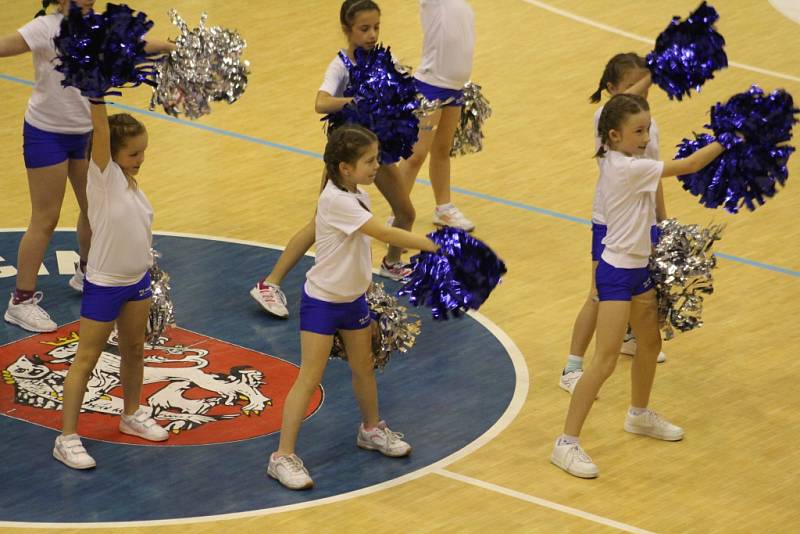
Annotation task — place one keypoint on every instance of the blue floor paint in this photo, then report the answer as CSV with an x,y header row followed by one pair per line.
x,y
450,389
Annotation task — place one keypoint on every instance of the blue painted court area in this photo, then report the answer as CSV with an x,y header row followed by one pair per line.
x,y
450,389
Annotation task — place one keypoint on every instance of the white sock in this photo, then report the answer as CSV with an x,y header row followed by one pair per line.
x,y
636,411
444,207
574,363
564,439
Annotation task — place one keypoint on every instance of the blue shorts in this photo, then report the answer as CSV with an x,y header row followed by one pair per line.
x,y
615,283
326,318
42,149
103,303
431,92
599,232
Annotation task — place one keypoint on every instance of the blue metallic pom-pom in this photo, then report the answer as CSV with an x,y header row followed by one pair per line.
x,y
101,51
754,128
687,53
384,101
459,277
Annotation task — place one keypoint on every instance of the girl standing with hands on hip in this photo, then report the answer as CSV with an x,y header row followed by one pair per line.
x,y
446,66
624,74
360,21
117,283
628,184
56,135
333,300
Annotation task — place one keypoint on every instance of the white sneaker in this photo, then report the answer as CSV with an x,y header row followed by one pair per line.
x,y
629,348
142,425
567,381
69,451
29,315
384,440
271,299
289,471
76,282
395,271
573,459
650,423
452,216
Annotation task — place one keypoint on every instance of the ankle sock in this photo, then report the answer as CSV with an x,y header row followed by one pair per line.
x,y
567,440
574,363
636,411
22,295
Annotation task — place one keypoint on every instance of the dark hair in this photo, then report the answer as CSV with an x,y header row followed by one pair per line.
x,y
122,127
346,144
615,69
45,5
350,8
614,114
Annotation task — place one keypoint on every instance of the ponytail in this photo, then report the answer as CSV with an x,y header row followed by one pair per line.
x,y
615,70
45,5
614,114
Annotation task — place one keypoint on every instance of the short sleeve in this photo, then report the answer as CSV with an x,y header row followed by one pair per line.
x,y
36,34
335,79
644,174
345,213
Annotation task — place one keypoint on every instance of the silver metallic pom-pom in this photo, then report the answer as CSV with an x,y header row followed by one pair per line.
x,y
468,138
206,67
162,313
427,107
681,267
392,328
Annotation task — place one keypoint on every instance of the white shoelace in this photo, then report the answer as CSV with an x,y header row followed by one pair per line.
x,y
580,454
35,309
293,463
272,294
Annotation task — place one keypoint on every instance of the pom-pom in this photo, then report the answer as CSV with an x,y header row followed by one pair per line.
x,y
755,128
206,67
468,138
162,312
459,277
681,267
687,53
99,51
392,328
384,101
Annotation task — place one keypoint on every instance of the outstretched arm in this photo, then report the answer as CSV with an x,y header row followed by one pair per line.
x,y
156,46
693,163
101,136
397,236
326,103
13,45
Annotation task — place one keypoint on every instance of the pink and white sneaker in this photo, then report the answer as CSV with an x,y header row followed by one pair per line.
x,y
271,299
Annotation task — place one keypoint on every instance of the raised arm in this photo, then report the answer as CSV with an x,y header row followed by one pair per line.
x,y
396,236
101,136
641,87
13,45
326,103
693,163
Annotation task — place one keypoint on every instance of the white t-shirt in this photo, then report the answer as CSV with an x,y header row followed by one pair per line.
x,y
52,107
336,77
448,27
342,269
628,187
121,219
651,152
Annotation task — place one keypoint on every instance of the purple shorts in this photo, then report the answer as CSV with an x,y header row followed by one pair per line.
x,y
432,92
103,303
599,232
326,318
615,283
43,149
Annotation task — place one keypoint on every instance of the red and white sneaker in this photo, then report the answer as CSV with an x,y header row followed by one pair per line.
x,y
398,271
382,439
271,299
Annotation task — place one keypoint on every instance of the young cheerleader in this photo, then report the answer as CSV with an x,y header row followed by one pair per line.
x,y
360,20
117,283
624,73
448,43
333,299
56,132
628,185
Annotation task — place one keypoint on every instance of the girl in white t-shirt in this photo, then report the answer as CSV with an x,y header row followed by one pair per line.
x,y
360,20
117,283
56,134
334,300
628,183
624,73
448,28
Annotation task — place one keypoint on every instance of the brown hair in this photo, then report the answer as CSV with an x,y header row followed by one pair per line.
x,y
45,5
615,69
122,127
351,8
346,144
614,114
